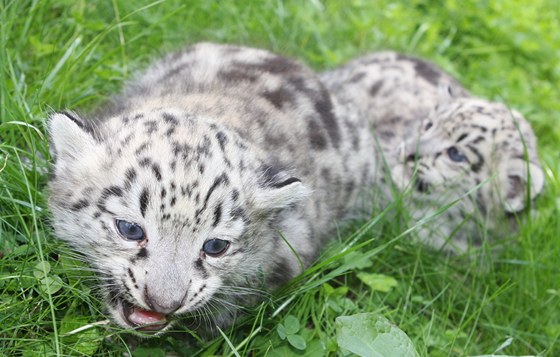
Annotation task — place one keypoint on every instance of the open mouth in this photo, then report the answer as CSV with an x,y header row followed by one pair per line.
x,y
143,320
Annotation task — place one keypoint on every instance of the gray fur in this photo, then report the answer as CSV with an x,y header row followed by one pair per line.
x,y
237,144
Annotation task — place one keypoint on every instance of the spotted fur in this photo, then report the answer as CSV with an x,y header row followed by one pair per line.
x,y
214,141
441,144
234,163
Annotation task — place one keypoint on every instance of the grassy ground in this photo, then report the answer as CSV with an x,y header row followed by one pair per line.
x,y
75,53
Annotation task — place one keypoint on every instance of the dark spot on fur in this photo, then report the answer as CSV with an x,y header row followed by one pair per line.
x,y
144,200
276,65
357,77
217,215
325,109
131,275
237,213
111,191
280,274
237,75
79,205
316,137
235,195
222,139
477,165
462,137
142,253
170,119
157,171
278,97
375,88
130,176
218,181
424,69
199,265
145,162
141,149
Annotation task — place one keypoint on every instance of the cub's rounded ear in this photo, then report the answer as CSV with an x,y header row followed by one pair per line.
x,y
70,136
520,178
277,189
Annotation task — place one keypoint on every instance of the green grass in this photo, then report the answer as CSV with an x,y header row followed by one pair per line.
x,y
75,53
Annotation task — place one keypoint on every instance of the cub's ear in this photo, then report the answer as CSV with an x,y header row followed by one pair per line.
x,y
277,189
70,136
519,176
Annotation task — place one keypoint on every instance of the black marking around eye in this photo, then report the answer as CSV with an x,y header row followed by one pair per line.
x,y
199,265
142,253
462,137
144,200
477,165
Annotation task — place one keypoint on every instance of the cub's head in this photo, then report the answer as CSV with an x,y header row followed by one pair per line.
x,y
172,211
468,143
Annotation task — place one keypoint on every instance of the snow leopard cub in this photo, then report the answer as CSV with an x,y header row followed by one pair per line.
x,y
191,189
440,144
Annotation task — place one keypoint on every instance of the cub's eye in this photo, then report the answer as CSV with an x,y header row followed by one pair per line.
x,y
129,230
455,155
215,247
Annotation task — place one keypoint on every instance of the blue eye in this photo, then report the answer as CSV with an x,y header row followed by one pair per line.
x,y
455,155
130,231
215,247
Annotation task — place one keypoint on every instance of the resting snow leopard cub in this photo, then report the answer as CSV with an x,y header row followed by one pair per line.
x,y
191,190
193,187
439,142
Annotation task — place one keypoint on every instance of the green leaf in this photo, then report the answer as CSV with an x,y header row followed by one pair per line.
x,y
370,334
378,282
297,342
358,261
41,269
291,323
51,284
281,331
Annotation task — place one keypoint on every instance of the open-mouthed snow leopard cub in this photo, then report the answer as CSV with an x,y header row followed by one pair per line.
x,y
195,187
440,143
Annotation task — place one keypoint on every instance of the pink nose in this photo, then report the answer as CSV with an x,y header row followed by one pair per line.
x,y
156,304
